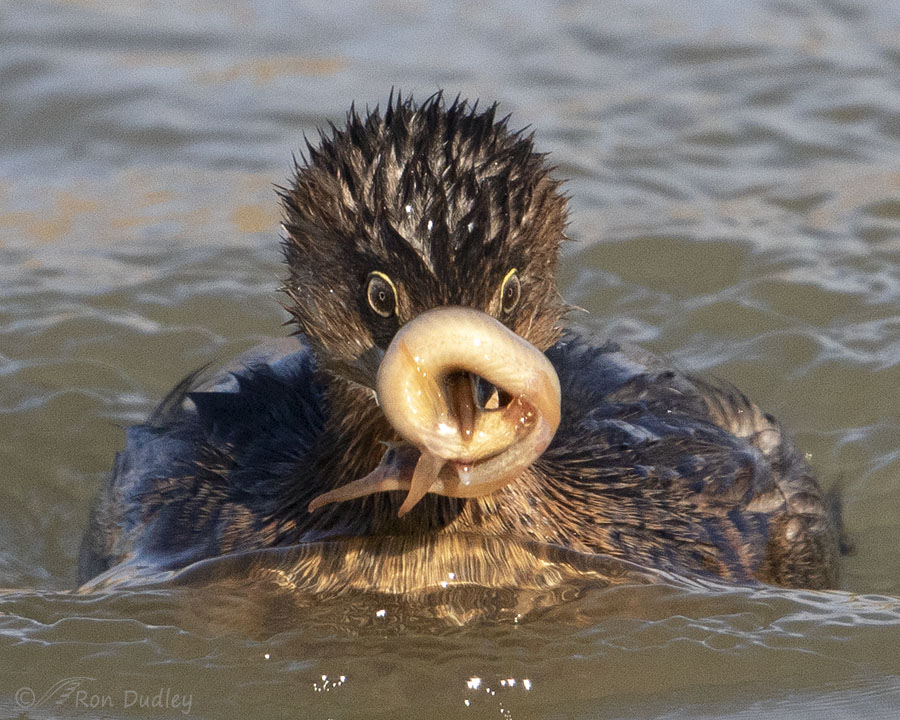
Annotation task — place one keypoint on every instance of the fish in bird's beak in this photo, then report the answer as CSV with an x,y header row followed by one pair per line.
x,y
431,386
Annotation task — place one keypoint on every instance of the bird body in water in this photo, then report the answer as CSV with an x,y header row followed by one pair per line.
x,y
433,388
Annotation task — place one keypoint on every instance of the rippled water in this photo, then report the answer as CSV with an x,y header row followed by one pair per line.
x,y
735,180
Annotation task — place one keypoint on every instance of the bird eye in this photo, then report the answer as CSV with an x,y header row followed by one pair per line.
x,y
510,291
381,294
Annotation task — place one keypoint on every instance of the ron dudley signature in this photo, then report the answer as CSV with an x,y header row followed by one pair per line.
x,y
78,692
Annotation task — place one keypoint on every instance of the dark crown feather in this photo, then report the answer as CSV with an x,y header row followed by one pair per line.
x,y
444,197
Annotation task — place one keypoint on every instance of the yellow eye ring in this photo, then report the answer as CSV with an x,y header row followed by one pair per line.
x,y
381,294
510,291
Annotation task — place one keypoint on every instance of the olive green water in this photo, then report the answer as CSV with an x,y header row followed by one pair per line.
x,y
735,180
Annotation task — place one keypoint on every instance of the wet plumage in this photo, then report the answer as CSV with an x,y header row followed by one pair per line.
x,y
648,464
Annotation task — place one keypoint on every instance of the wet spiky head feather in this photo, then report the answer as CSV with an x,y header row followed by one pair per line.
x,y
444,200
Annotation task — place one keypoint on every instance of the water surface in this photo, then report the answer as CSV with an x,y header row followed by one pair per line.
x,y
734,172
